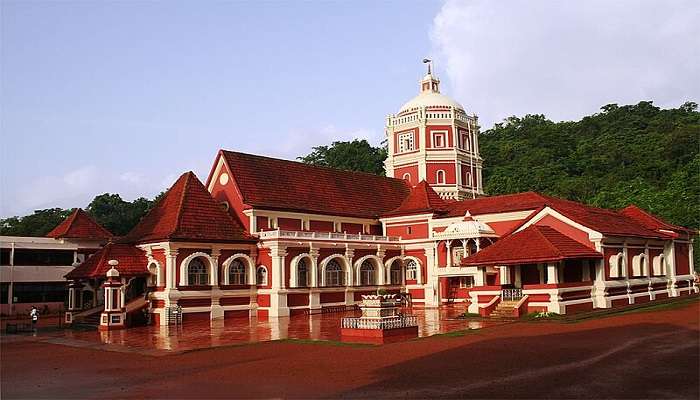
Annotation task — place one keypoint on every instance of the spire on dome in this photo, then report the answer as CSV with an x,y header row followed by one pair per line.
x,y
429,83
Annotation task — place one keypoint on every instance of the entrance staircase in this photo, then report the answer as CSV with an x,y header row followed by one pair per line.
x,y
505,310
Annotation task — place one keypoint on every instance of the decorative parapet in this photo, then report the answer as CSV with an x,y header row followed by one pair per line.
x,y
283,234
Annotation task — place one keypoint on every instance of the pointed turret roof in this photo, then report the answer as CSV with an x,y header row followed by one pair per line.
x,y
80,225
187,212
421,199
132,261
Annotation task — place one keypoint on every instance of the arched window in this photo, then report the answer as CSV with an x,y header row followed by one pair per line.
x,y
468,179
367,273
617,266
411,270
302,273
334,274
659,265
261,276
407,177
197,272
236,273
440,177
395,273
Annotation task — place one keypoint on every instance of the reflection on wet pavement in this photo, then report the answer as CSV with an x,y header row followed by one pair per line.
x,y
223,332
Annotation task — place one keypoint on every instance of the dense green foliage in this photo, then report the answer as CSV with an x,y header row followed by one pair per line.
x,y
357,155
109,210
637,154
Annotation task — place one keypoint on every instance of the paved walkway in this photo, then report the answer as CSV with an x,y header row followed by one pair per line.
x,y
235,331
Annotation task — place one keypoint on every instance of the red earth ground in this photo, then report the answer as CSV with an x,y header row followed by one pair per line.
x,y
652,354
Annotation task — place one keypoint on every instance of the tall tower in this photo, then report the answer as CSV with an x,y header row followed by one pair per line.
x,y
432,138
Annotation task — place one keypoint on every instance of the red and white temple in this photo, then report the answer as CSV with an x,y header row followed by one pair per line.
x,y
268,237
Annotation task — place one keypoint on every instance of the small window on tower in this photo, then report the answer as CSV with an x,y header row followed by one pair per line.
x,y
439,139
406,142
408,230
440,177
465,141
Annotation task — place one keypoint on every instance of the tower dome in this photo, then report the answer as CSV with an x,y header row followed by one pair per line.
x,y
430,95
433,139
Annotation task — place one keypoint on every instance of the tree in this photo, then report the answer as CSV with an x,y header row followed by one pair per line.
x,y
117,215
357,155
38,224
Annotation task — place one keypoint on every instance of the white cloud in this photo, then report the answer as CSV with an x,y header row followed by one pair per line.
x,y
131,177
567,59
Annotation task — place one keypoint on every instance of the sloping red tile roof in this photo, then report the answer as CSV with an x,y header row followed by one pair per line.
x,y
421,199
533,244
651,221
270,183
132,261
608,222
187,212
80,225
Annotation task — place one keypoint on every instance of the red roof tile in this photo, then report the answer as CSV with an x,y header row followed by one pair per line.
x,y
187,212
422,199
533,244
650,221
80,225
270,183
132,261
608,222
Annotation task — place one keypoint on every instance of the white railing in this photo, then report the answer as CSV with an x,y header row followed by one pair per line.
x,y
399,321
511,294
282,234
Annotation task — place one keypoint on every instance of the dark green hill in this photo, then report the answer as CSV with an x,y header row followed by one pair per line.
x,y
637,154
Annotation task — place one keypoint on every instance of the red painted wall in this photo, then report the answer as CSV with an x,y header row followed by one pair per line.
x,y
449,168
417,230
351,228
682,259
290,224
321,226
231,194
410,169
503,227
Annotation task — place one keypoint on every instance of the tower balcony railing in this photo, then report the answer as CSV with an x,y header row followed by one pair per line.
x,y
312,235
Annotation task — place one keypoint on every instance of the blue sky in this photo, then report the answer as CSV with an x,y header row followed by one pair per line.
x,y
125,96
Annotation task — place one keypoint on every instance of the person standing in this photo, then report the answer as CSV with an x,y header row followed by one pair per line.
x,y
34,314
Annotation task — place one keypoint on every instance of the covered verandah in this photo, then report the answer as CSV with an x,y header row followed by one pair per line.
x,y
539,269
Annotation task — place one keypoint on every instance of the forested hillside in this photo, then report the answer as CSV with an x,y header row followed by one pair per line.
x,y
637,154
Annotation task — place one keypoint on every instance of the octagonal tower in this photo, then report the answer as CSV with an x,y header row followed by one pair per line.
x,y
432,138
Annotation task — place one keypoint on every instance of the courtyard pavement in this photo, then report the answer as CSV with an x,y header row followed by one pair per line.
x,y
195,335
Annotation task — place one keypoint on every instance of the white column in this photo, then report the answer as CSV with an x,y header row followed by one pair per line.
x,y
448,245
313,253
170,268
278,298
505,275
478,245
349,254
552,273
214,270
381,272
586,272
540,269
518,276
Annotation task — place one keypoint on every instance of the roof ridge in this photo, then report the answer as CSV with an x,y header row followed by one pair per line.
x,y
313,165
180,211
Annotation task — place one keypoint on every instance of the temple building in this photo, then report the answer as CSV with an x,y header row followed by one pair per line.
x,y
267,237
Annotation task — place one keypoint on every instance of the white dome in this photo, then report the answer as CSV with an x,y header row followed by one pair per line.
x,y
468,228
429,99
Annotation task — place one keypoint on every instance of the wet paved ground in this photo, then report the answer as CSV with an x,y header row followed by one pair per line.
x,y
650,354
207,334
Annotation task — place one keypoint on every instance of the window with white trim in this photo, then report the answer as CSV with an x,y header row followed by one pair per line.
x,y
639,265
406,142
261,276
457,255
440,177
367,273
236,272
465,141
334,273
407,177
302,273
197,272
659,265
439,139
411,270
617,266
395,273
466,282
